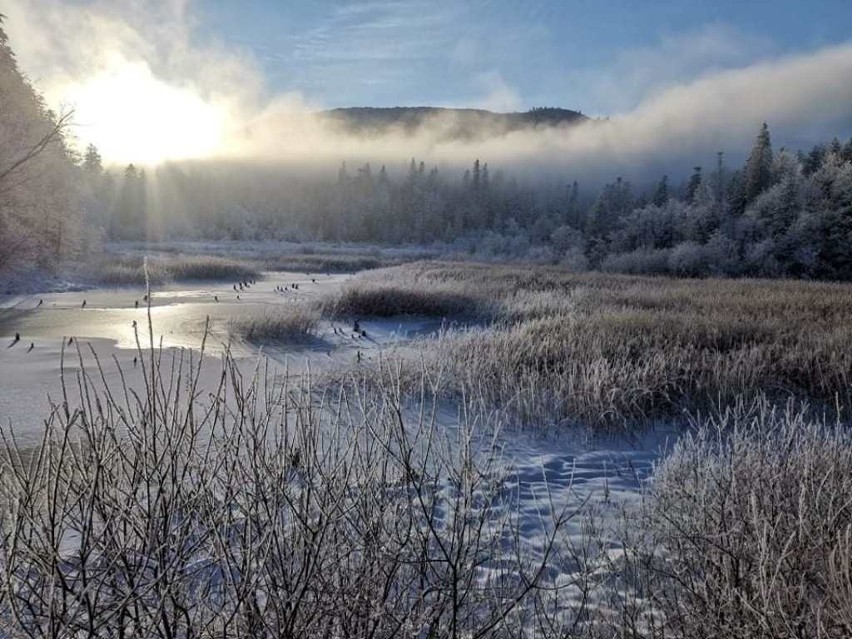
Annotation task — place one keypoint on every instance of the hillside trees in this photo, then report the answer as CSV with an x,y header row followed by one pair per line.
x,y
39,209
778,214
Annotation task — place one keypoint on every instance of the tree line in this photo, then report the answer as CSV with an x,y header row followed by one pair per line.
x,y
780,214
40,213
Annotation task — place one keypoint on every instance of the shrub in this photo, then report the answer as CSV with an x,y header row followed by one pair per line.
x,y
264,508
748,529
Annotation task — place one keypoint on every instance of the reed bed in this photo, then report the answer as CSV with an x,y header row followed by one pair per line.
x,y
129,271
328,262
382,300
281,323
616,350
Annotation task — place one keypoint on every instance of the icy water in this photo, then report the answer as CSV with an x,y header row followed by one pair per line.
x,y
109,321
546,472
101,321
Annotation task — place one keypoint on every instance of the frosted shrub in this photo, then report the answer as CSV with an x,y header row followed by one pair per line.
x,y
748,530
262,507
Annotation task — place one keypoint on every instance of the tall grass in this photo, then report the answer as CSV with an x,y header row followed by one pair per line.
x,y
292,322
607,350
328,262
128,270
381,300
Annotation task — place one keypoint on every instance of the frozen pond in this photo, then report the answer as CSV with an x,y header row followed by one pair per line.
x,y
103,320
563,463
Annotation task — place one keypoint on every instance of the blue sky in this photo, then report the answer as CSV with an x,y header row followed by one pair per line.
x,y
599,56
679,79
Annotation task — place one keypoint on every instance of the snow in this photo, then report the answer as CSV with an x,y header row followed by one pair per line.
x,y
544,470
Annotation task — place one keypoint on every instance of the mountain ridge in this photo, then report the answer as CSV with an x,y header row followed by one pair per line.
x,y
449,122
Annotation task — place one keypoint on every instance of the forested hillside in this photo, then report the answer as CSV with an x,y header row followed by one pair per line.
x,y
465,124
40,214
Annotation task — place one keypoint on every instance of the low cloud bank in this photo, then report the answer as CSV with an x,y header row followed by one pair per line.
x,y
220,106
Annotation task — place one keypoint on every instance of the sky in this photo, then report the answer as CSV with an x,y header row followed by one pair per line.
x,y
156,80
601,57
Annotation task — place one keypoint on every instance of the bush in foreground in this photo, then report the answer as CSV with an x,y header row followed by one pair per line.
x,y
259,509
748,531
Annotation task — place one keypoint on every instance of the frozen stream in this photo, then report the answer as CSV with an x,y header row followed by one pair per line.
x,y
29,368
572,467
557,469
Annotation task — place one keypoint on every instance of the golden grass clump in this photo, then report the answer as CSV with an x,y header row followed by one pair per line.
x,y
128,270
297,322
604,349
380,300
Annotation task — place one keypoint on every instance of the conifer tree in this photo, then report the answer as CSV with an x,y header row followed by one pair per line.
x,y
693,184
758,170
92,160
661,195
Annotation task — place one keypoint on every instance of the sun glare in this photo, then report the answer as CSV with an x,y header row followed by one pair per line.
x,y
131,116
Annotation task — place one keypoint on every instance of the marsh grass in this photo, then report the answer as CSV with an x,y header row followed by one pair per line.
x,y
306,257
381,300
328,262
616,350
128,270
292,322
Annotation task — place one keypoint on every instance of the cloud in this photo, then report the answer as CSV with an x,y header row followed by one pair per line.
x,y
687,113
637,73
498,95
718,111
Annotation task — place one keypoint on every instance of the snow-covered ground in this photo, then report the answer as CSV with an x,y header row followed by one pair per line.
x,y
103,320
545,469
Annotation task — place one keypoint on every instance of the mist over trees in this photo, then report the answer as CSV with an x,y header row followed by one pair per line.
x,y
780,214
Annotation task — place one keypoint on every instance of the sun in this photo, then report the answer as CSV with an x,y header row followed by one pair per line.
x,y
134,117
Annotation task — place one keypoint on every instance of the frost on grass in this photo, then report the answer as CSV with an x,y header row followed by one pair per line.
x,y
563,348
267,506
260,509
278,323
746,531
128,270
